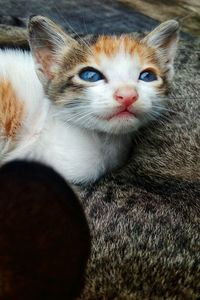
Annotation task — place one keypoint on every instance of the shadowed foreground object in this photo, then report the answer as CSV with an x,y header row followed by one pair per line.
x,y
44,236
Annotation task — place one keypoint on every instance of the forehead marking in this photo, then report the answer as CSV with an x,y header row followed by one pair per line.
x,y
110,46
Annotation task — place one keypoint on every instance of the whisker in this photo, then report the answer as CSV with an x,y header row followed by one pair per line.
x,y
165,109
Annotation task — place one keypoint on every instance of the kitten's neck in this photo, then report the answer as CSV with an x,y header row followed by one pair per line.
x,y
81,155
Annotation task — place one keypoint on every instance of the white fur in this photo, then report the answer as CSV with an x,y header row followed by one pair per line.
x,y
80,155
98,103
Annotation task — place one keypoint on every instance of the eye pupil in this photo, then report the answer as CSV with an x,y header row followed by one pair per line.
x,y
147,76
91,75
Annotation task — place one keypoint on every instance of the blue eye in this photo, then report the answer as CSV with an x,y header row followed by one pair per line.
x,y
147,76
91,75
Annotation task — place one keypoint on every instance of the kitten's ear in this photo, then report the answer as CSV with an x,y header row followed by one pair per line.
x,y
164,38
47,41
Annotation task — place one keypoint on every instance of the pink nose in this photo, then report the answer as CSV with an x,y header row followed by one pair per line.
x,y
126,95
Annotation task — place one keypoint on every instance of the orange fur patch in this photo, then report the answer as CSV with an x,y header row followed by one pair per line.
x,y
11,109
110,46
106,45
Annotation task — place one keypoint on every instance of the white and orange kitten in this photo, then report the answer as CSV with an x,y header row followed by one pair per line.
x,y
74,104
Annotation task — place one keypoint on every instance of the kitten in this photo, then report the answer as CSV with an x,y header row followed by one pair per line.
x,y
91,95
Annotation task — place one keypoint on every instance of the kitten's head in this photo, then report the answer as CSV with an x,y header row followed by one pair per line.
x,y
111,84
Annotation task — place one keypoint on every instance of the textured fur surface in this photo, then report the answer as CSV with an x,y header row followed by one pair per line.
x,y
145,219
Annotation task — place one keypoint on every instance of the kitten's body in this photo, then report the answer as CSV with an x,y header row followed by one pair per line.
x,y
53,127
78,154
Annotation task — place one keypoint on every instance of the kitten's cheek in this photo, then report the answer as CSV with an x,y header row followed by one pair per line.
x,y
142,106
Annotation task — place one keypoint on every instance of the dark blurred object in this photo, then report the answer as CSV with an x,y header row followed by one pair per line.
x,y
13,32
13,37
82,16
13,21
187,12
44,236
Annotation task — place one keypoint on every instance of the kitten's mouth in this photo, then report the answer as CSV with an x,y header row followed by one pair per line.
x,y
123,114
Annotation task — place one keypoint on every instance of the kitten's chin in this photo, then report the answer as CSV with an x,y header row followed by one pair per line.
x,y
122,124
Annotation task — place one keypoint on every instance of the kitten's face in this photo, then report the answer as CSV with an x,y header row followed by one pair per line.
x,y
114,86
110,84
